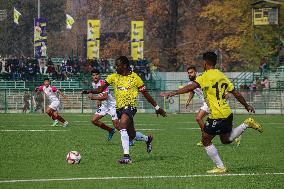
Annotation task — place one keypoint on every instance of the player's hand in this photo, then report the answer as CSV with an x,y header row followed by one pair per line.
x,y
99,103
250,109
84,92
161,112
90,96
186,105
168,94
67,99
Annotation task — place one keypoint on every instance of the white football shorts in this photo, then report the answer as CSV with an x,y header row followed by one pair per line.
x,y
104,110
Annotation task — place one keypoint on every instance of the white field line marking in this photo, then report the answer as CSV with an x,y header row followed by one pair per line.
x,y
167,129
141,177
29,126
268,123
22,130
111,122
139,129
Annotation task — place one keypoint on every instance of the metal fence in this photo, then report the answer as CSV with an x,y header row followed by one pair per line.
x,y
12,101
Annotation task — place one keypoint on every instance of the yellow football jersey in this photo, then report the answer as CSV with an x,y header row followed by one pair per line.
x,y
215,85
126,88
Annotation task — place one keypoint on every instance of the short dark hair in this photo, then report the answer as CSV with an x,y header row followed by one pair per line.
x,y
96,71
124,60
210,57
191,68
46,79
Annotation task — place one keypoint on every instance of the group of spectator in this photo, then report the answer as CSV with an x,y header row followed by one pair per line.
x,y
29,69
257,84
142,68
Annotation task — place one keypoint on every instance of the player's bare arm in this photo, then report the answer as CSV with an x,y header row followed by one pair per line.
x,y
190,96
98,90
186,89
63,95
99,98
150,99
242,100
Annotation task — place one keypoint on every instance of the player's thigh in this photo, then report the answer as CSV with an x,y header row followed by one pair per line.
x,y
48,110
126,116
96,117
201,114
55,113
131,129
115,123
124,121
224,137
226,129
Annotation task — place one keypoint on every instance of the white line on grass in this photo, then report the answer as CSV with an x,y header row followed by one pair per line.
x,y
28,126
268,123
168,129
141,177
23,130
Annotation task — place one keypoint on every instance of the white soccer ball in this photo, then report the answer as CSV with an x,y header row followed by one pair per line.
x,y
73,157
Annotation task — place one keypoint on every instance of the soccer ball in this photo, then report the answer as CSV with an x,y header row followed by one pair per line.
x,y
73,157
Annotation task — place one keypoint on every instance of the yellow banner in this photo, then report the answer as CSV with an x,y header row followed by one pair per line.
x,y
94,29
137,39
69,21
93,39
17,15
137,50
137,30
93,49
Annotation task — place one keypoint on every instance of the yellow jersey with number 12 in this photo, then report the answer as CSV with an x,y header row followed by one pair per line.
x,y
126,88
215,85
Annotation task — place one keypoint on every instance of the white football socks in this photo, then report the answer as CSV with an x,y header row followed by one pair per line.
x,y
124,141
213,154
140,137
236,132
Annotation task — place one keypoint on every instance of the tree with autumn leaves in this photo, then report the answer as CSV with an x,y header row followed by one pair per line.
x,y
232,32
176,31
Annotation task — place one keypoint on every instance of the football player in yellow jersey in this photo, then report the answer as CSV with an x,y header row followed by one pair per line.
x,y
220,121
127,85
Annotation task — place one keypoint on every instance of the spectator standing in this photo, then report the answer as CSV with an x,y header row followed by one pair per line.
x,y
38,99
42,66
30,71
27,101
265,83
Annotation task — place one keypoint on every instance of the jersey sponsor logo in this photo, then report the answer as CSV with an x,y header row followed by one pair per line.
x,y
214,123
123,88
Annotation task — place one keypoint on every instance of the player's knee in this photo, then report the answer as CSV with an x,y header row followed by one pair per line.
x,y
225,141
198,119
122,125
95,122
206,141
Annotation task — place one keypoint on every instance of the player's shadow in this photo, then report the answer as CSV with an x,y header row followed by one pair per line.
x,y
158,158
